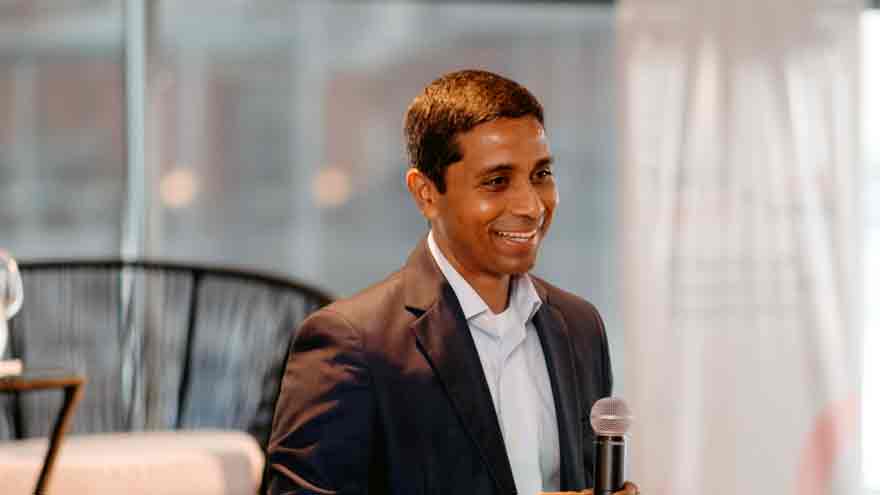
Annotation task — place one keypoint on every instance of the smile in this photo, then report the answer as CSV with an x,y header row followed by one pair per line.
x,y
522,237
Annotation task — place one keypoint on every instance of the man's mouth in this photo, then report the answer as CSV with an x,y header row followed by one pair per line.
x,y
516,236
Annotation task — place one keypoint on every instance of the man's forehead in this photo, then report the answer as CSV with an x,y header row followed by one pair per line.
x,y
506,132
493,137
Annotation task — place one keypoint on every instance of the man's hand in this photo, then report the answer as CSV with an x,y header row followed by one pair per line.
x,y
629,488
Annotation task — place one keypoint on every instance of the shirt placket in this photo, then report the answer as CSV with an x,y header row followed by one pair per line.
x,y
518,409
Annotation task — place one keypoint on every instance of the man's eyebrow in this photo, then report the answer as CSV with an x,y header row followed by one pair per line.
x,y
544,162
507,167
501,167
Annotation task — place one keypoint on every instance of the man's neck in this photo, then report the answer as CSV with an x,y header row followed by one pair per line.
x,y
494,290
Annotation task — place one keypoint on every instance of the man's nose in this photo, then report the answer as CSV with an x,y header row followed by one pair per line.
x,y
527,202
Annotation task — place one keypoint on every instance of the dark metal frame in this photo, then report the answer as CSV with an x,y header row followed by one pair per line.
x,y
197,269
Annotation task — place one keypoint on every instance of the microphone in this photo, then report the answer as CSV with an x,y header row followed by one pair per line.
x,y
610,419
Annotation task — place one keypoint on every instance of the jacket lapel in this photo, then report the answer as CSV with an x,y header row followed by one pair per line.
x,y
558,353
444,338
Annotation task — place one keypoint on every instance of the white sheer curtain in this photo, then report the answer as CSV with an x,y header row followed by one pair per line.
x,y
740,234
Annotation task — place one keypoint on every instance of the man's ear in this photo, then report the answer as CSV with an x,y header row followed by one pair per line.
x,y
423,191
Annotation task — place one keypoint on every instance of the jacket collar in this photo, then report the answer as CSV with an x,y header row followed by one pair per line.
x,y
422,279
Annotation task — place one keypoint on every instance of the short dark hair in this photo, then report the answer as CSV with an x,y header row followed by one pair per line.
x,y
456,103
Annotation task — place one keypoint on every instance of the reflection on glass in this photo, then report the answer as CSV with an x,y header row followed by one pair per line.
x,y
11,296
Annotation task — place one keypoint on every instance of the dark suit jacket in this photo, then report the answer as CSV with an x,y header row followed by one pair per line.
x,y
384,393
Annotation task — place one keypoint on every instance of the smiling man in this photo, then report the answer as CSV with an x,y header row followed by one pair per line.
x,y
461,373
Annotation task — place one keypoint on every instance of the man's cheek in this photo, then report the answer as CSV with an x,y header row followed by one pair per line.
x,y
484,207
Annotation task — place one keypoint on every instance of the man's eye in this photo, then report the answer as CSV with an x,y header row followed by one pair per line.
x,y
496,181
545,173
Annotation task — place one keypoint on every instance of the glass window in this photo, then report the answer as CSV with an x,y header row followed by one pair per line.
x,y
62,132
275,127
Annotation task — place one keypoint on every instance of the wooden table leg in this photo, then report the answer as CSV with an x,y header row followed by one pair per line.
x,y
72,395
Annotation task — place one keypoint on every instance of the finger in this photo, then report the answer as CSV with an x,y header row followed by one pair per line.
x,y
629,488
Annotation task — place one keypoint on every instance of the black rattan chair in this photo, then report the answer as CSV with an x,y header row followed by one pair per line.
x,y
164,346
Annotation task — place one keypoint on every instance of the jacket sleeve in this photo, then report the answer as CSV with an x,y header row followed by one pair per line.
x,y
605,359
322,430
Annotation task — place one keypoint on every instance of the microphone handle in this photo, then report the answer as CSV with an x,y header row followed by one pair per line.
x,y
609,459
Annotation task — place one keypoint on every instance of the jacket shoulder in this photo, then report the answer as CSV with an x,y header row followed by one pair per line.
x,y
370,307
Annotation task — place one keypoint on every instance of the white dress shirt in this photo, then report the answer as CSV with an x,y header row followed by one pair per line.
x,y
513,363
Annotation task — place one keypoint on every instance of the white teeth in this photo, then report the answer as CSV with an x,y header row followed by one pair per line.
x,y
517,236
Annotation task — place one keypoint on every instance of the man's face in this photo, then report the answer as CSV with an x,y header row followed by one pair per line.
x,y
499,199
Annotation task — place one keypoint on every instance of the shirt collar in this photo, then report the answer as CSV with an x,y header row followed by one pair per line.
x,y
524,298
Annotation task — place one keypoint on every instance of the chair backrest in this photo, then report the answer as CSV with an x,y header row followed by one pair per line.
x,y
163,346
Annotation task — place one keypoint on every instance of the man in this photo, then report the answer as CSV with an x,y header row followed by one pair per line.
x,y
460,373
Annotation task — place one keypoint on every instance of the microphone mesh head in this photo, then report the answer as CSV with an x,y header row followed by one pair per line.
x,y
610,417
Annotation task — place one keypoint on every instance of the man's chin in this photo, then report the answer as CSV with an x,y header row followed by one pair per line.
x,y
517,267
